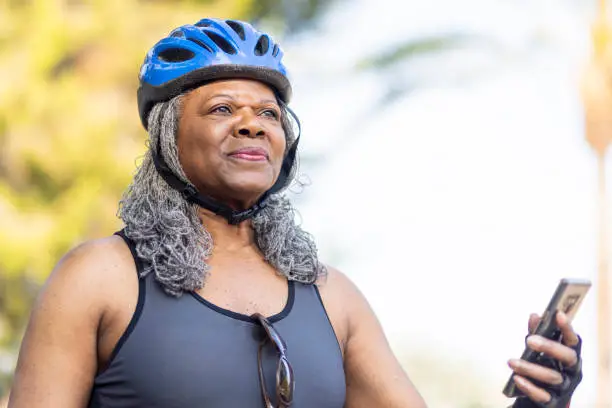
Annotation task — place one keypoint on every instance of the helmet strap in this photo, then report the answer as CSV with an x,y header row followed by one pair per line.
x,y
191,194
289,160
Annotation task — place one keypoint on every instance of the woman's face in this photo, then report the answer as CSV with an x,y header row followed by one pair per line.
x,y
230,140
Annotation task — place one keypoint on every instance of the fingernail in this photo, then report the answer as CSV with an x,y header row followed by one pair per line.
x,y
513,363
562,317
535,341
519,380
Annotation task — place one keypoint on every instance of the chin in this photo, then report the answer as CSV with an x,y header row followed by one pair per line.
x,y
248,187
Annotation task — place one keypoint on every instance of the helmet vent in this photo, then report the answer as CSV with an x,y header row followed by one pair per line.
x,y
176,55
221,42
201,44
275,50
237,27
179,34
203,24
262,46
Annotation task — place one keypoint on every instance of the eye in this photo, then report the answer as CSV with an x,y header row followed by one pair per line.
x,y
271,113
224,109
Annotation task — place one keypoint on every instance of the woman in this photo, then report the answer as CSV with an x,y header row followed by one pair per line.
x,y
169,312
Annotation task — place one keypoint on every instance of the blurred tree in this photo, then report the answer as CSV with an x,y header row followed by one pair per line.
x,y
394,64
418,61
426,60
402,67
69,128
295,15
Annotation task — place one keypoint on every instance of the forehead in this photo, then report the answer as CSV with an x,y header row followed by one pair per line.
x,y
245,90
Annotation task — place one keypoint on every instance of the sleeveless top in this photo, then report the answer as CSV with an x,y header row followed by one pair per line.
x,y
186,352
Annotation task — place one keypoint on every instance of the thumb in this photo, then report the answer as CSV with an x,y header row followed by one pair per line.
x,y
534,320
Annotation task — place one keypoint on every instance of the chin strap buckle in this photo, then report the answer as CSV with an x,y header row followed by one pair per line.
x,y
236,217
189,192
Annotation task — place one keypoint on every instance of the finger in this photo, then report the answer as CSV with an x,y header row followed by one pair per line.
x,y
535,372
570,338
553,349
534,320
534,393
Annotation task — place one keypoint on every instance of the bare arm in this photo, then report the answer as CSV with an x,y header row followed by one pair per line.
x,y
58,357
373,374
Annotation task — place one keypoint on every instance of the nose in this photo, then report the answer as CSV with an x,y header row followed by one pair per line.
x,y
249,126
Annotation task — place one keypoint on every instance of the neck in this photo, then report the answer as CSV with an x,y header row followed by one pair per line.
x,y
227,237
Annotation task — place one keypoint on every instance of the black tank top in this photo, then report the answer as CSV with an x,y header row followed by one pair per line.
x,y
186,352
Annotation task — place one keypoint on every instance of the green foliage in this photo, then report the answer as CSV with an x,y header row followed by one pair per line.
x,y
69,128
393,64
294,14
416,48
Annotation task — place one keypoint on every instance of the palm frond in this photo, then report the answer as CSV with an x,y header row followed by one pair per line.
x,y
415,48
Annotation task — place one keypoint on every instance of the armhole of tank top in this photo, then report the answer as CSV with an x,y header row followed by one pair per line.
x,y
139,305
331,326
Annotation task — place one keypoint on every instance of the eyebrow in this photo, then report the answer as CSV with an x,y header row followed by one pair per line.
x,y
262,101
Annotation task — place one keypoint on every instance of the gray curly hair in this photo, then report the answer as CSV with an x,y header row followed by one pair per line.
x,y
169,237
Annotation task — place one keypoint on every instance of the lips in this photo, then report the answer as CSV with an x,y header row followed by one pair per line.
x,y
250,154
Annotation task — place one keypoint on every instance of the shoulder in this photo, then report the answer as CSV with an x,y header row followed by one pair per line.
x,y
337,286
93,261
65,324
335,283
368,359
90,272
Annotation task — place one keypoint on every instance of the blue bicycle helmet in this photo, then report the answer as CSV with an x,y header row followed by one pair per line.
x,y
211,49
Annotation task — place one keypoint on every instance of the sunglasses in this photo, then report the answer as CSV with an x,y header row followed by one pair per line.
x,y
285,382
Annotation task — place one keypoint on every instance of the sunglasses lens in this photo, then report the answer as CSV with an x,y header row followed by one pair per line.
x,y
284,381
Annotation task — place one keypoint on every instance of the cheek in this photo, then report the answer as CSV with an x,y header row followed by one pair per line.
x,y
195,151
279,145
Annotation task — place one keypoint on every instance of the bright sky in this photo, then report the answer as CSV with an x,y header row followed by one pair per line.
x,y
457,209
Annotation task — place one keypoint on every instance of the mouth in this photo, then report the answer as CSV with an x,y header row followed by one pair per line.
x,y
250,154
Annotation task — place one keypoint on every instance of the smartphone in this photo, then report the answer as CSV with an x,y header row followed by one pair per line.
x,y
567,298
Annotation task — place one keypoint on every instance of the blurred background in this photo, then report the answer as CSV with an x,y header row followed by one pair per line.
x,y
453,156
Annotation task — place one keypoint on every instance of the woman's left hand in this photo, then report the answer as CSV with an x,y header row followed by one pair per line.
x,y
545,386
